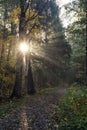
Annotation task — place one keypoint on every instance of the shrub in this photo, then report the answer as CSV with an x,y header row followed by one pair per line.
x,y
6,81
72,111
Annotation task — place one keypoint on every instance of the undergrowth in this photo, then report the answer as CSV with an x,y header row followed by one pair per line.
x,y
71,114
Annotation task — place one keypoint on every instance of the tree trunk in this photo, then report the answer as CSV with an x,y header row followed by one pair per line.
x,y
17,87
86,42
24,83
2,51
20,70
9,52
30,81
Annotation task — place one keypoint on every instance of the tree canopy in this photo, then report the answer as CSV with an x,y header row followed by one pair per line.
x,y
55,55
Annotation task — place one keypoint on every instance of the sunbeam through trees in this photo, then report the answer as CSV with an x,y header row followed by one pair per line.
x,y
43,64
54,53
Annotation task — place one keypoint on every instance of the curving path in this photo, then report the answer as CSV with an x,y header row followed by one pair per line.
x,y
36,114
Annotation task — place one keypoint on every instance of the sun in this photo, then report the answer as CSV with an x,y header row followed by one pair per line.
x,y
24,47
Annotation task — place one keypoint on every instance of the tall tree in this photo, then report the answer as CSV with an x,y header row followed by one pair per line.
x,y
27,22
36,21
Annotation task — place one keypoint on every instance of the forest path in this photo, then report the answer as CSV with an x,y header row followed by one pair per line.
x,y
36,113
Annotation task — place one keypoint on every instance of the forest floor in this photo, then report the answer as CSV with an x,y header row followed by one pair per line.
x,y
33,113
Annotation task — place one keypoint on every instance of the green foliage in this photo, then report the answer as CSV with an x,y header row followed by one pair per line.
x,y
72,111
76,36
6,81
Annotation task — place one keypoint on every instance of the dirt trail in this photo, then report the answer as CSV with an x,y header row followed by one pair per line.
x,y
37,114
